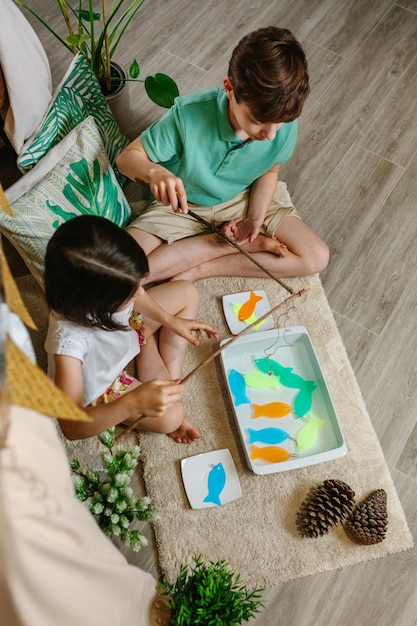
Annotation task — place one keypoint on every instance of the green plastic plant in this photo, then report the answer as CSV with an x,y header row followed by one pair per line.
x,y
98,35
109,497
209,595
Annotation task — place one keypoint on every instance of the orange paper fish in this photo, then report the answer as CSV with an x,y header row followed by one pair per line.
x,y
271,454
272,409
247,309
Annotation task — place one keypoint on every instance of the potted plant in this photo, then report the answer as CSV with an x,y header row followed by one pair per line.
x,y
108,495
98,35
209,595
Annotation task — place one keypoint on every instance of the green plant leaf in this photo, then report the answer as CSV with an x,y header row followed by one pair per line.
x,y
87,15
77,40
134,69
161,89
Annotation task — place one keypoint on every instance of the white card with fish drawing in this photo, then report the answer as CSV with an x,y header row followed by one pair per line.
x,y
242,309
210,479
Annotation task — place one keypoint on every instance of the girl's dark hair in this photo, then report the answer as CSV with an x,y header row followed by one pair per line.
x,y
268,71
92,267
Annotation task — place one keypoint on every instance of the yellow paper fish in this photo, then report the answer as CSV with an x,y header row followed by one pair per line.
x,y
247,309
259,380
272,409
307,435
250,320
271,454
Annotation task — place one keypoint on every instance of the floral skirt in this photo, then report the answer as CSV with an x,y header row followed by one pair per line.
x,y
116,389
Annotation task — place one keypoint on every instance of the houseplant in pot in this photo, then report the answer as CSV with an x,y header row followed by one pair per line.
x,y
98,35
209,594
107,493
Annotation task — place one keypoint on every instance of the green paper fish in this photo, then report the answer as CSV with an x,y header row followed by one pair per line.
x,y
259,380
307,434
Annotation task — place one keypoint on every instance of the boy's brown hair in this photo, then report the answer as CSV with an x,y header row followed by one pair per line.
x,y
268,71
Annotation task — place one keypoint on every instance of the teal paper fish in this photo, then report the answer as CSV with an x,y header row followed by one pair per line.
x,y
215,484
270,366
238,387
285,374
303,400
267,435
259,380
307,434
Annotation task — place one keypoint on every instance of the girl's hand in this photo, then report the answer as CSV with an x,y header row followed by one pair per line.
x,y
191,330
154,397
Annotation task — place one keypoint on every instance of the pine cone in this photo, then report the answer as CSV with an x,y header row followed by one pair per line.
x,y
368,522
326,506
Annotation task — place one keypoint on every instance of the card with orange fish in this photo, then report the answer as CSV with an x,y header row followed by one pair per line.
x,y
241,309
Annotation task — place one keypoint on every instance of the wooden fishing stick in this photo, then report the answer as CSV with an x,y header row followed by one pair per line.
x,y
219,350
218,231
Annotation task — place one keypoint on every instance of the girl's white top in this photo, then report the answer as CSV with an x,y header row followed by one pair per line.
x,y
104,354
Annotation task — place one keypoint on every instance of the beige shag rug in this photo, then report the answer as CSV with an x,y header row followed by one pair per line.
x,y
257,534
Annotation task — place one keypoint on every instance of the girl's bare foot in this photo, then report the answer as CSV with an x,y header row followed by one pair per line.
x,y
185,433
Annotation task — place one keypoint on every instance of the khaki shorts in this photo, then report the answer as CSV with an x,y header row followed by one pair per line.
x,y
161,221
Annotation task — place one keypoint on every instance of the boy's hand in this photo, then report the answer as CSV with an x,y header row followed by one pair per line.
x,y
168,189
242,230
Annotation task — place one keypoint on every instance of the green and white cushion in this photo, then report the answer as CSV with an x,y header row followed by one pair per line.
x,y
73,178
77,97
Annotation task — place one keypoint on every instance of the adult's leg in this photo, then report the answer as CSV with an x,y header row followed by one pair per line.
x,y
163,354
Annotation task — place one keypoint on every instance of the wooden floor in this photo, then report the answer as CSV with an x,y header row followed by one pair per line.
x,y
353,178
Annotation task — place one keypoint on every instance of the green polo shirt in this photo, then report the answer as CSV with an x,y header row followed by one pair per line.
x,y
196,142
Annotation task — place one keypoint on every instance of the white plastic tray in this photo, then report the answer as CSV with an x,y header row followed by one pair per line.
x,y
290,348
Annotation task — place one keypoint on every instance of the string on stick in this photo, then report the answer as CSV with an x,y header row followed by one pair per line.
x,y
242,332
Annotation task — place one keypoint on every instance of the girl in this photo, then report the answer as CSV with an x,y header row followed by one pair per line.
x,y
93,282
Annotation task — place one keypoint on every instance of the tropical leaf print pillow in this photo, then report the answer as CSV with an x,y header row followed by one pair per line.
x,y
74,178
77,97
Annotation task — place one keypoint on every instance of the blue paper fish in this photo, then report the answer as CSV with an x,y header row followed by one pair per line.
x,y
267,435
215,484
238,387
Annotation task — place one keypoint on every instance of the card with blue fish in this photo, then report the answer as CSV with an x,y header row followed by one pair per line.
x,y
210,479
216,481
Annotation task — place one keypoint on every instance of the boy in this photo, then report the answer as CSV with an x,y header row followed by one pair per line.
x,y
220,151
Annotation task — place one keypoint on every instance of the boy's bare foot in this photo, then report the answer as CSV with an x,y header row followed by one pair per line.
x,y
185,433
267,244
